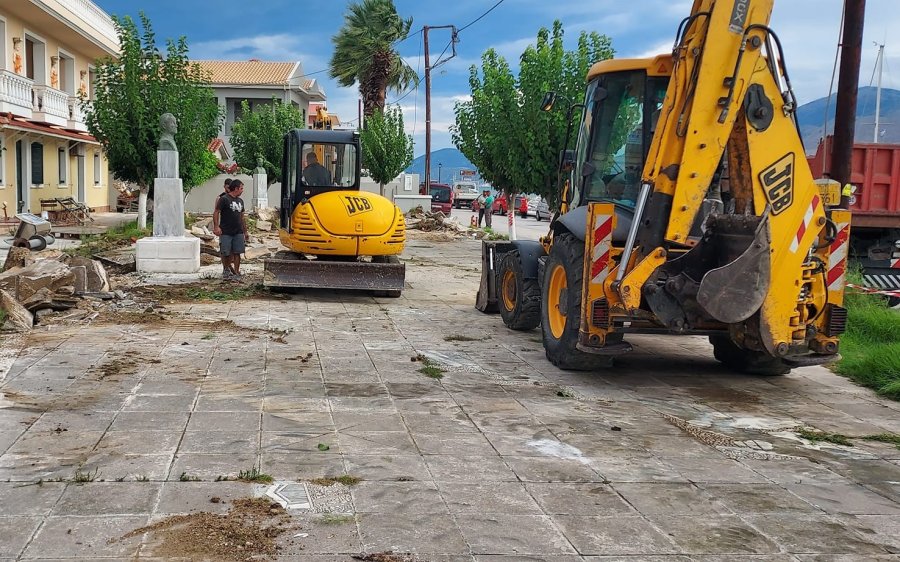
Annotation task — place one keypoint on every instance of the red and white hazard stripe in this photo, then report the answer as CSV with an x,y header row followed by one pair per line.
x,y
873,291
600,255
837,259
895,264
804,226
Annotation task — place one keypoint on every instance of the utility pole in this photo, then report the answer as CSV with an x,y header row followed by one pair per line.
x,y
428,69
879,64
848,87
427,112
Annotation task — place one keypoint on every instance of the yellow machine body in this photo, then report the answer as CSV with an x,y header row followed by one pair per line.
x,y
345,223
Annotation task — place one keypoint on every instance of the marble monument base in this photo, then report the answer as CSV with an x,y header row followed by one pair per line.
x,y
169,254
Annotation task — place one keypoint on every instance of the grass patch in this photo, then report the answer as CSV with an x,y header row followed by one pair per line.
x,y
871,345
3,316
344,479
237,292
495,236
189,220
891,438
817,436
185,477
429,368
323,447
116,237
459,337
254,475
333,519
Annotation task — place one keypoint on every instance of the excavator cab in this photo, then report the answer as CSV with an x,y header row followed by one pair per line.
x,y
623,103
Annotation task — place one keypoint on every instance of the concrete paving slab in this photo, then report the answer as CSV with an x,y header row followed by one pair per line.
x,y
525,534
720,534
215,497
108,498
813,534
85,537
397,532
15,532
562,498
632,535
461,467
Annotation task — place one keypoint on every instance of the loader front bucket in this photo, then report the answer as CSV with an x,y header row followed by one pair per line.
x,y
325,274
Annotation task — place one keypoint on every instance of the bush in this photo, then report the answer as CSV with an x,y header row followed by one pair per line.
x,y
116,237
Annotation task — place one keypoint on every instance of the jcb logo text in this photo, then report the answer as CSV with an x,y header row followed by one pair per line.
x,y
778,183
356,205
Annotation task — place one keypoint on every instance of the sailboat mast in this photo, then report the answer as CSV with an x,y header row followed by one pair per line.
x,y
879,62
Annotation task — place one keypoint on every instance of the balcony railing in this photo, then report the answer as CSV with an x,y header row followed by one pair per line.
x,y
77,114
96,17
15,94
51,105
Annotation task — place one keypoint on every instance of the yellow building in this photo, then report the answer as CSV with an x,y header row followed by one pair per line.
x,y
47,53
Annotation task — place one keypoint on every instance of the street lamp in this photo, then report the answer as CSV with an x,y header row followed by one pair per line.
x,y
439,171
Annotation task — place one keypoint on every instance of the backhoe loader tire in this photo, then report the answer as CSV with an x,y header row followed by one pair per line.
x,y
561,312
519,300
745,360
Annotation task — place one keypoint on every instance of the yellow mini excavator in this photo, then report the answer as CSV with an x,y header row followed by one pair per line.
x,y
336,236
690,209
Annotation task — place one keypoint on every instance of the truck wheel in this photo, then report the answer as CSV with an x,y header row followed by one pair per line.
x,y
745,360
519,298
561,307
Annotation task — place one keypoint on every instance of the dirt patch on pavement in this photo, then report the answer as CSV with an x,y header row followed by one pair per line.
x,y
384,557
249,531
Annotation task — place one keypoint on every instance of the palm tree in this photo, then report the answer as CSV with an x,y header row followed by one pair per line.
x,y
364,52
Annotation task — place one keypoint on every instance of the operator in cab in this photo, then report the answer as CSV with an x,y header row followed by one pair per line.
x,y
314,173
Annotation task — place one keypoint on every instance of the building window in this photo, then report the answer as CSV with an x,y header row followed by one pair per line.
x,y
37,163
35,60
97,172
63,164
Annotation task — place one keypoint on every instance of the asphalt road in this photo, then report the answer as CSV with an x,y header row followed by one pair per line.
x,y
526,229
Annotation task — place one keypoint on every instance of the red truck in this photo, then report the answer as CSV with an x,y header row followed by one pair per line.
x,y
875,226
441,197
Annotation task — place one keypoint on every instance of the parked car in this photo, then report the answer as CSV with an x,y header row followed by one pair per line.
x,y
441,196
500,204
533,201
521,205
542,210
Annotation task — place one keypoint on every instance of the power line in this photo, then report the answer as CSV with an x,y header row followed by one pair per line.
x,y
479,17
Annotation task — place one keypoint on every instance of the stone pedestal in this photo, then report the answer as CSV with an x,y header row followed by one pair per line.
x,y
260,191
169,254
168,207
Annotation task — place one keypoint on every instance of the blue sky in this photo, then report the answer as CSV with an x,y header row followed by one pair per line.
x,y
292,30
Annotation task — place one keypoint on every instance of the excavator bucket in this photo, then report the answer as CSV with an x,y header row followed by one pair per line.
x,y
325,274
735,291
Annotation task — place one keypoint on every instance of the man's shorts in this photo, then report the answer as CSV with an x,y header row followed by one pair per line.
x,y
231,244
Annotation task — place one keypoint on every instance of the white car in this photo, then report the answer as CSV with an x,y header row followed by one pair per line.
x,y
538,208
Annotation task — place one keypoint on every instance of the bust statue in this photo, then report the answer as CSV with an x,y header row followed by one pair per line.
x,y
260,167
169,127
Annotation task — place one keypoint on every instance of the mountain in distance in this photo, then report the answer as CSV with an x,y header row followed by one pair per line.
x,y
446,162
811,117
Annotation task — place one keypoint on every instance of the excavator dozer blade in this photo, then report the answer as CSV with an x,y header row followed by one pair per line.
x,y
324,274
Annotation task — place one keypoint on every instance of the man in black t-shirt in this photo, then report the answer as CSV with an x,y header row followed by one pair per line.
x,y
231,228
316,174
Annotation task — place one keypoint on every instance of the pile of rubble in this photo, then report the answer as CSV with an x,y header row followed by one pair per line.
x,y
433,221
33,287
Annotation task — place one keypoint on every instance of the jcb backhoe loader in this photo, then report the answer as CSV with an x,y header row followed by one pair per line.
x,y
690,209
336,236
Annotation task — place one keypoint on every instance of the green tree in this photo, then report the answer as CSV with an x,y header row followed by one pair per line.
x,y
133,91
364,52
502,129
260,134
387,149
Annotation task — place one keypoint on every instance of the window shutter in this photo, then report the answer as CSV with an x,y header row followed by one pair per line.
x,y
37,163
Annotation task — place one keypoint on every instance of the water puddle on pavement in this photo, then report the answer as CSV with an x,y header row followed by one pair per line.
x,y
559,450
